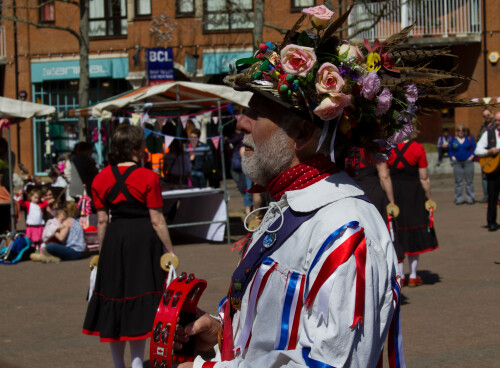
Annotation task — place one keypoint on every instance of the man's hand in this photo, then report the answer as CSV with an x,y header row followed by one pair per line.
x,y
185,365
493,151
206,329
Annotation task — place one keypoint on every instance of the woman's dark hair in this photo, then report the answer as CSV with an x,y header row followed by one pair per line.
x,y
82,147
126,139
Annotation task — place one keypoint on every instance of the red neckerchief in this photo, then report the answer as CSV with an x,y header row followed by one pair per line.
x,y
298,177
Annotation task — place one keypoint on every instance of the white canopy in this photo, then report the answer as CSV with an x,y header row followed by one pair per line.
x,y
181,92
10,108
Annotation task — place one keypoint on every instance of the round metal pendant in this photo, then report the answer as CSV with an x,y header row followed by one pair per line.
x,y
269,240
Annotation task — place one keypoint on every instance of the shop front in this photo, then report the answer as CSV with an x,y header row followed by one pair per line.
x,y
55,83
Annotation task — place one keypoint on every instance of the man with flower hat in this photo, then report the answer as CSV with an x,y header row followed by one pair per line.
x,y
317,285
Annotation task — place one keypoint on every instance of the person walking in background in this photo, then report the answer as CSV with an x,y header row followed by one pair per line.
x,y
412,187
461,153
200,154
82,169
488,124
489,146
129,280
443,144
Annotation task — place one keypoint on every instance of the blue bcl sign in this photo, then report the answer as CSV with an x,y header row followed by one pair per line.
x,y
160,64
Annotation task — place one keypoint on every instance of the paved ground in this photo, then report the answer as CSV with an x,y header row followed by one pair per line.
x,y
453,320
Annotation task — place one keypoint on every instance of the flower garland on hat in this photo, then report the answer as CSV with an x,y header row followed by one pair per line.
x,y
316,74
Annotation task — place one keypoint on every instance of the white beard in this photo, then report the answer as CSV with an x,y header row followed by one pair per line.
x,y
270,159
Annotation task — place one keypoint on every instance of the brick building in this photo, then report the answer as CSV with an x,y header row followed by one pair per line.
x,y
205,36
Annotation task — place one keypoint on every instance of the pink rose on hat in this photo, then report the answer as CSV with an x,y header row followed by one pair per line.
x,y
320,15
352,52
298,60
328,79
332,106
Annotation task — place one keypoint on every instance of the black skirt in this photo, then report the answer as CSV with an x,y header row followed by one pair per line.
x,y
129,282
368,180
412,225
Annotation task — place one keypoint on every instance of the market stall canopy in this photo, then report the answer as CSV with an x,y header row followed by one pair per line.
x,y
10,108
181,92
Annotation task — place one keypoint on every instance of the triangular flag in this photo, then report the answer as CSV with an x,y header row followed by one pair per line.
x,y
121,119
195,121
168,141
475,99
216,119
184,119
147,133
486,100
207,116
215,141
498,99
161,122
145,119
135,119
231,109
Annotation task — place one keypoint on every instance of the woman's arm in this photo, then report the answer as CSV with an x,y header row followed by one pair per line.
x,y
62,232
385,180
102,224
160,226
425,181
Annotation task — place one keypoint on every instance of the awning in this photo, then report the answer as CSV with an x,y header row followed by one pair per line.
x,y
181,92
10,108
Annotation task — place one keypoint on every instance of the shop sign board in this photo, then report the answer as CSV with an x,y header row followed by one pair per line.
x,y
218,63
116,68
159,65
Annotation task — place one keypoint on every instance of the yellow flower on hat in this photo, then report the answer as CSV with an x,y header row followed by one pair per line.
x,y
373,62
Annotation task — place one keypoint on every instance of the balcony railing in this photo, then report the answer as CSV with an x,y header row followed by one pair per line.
x,y
3,52
432,18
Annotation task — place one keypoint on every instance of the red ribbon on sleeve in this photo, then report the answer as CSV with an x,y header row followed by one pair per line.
x,y
355,244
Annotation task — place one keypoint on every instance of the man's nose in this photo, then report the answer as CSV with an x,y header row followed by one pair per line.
x,y
244,123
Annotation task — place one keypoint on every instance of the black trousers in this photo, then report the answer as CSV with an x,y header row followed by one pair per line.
x,y
493,186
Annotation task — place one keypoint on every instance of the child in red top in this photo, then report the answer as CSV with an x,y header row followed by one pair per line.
x,y
34,216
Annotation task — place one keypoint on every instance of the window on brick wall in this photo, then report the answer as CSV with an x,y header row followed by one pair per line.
x,y
298,5
184,8
142,8
47,12
227,15
107,18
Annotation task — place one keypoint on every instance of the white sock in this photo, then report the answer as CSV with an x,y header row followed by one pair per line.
x,y
117,351
137,352
401,270
413,260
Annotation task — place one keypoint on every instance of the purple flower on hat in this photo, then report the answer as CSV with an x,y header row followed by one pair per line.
x,y
402,135
411,93
384,102
407,115
370,85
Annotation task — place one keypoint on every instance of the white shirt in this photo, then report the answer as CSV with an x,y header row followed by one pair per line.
x,y
482,144
60,182
35,215
330,340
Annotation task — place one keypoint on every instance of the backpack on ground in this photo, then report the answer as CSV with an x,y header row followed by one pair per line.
x,y
18,249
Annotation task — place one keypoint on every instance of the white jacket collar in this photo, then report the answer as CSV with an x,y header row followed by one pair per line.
x,y
336,187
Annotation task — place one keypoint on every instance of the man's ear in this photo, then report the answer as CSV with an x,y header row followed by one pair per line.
x,y
304,134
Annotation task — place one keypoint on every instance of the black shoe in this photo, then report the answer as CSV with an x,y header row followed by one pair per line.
x,y
484,200
492,227
472,202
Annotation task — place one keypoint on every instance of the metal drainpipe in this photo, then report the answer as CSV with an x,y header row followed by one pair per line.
x,y
16,81
485,51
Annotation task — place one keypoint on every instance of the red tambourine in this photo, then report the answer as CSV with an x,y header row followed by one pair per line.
x,y
178,305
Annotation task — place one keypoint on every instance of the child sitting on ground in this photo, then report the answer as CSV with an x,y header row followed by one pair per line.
x,y
48,235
